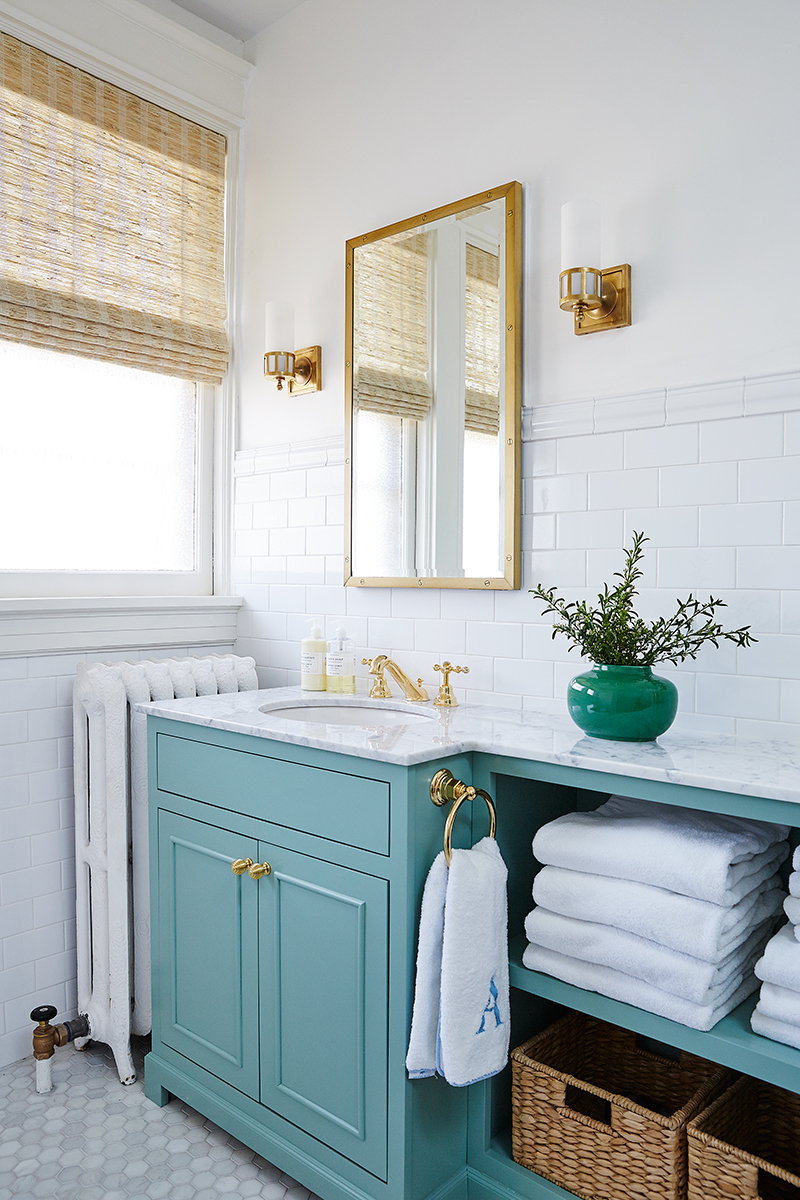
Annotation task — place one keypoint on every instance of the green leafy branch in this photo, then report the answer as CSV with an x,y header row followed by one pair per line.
x,y
612,633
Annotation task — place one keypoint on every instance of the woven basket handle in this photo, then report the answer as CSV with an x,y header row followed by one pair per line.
x,y
559,1099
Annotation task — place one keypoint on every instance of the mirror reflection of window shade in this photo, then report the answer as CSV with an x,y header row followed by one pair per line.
x,y
391,366
482,400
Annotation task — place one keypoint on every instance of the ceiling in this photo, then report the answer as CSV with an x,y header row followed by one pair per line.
x,y
239,18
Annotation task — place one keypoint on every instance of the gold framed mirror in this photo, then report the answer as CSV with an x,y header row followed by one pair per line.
x,y
433,348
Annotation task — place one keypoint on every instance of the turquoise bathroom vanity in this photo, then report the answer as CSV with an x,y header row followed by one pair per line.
x,y
288,859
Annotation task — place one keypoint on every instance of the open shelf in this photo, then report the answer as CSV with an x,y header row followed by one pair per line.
x,y
731,1042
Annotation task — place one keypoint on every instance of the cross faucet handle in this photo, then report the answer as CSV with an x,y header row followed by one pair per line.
x,y
446,697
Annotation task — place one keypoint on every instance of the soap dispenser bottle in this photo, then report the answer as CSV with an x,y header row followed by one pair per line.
x,y
312,659
340,664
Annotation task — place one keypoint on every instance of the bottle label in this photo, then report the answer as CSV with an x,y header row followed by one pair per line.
x,y
340,663
312,663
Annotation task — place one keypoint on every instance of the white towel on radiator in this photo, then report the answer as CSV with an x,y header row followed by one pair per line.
x,y
780,962
779,1031
780,1004
679,974
696,927
463,927
608,982
705,855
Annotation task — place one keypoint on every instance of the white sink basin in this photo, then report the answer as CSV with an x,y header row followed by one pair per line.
x,y
347,714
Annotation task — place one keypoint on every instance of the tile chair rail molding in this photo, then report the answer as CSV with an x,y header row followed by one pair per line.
x,y
90,624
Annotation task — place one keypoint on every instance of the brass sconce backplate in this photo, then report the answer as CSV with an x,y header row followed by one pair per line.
x,y
307,371
620,315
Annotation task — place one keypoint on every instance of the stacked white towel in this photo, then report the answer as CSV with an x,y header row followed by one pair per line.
x,y
791,904
777,1014
662,907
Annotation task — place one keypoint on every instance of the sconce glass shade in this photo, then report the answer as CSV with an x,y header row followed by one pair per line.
x,y
580,234
278,324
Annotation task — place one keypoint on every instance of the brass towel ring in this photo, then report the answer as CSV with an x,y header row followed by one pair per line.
x,y
443,788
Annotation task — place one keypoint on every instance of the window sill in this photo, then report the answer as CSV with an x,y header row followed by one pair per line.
x,y
54,625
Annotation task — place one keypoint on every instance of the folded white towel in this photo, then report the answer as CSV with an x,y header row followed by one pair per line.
x,y
796,858
794,883
780,962
779,1031
695,927
619,986
780,1004
698,854
679,974
466,932
421,1057
791,906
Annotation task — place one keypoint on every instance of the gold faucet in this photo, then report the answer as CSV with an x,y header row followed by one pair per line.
x,y
414,692
446,697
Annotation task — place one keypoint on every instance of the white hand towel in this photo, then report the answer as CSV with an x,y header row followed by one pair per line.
x,y
780,1004
698,854
796,858
794,883
623,987
779,1031
474,1023
669,970
781,960
421,1058
461,1018
695,927
791,906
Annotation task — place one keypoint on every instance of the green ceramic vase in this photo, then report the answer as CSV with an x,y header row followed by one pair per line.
x,y
626,704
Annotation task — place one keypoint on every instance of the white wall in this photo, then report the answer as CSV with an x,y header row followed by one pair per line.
x,y
686,138
684,425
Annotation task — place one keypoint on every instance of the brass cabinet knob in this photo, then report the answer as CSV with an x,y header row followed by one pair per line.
x,y
259,870
240,865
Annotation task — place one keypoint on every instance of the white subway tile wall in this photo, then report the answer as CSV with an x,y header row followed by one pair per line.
x,y
710,472
37,846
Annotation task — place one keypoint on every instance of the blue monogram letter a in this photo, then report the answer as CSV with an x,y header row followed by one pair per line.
x,y
491,1007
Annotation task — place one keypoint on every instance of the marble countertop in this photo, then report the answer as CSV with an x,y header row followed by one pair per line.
x,y
749,768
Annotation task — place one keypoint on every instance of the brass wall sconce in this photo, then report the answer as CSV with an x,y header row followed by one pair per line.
x,y
302,369
597,299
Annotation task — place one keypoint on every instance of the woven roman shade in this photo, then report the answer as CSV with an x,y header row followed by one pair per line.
x,y
390,326
482,398
111,222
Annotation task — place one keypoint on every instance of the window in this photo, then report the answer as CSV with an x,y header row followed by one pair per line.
x,y
112,334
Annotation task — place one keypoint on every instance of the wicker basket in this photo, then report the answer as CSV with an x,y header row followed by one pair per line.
x,y
746,1145
603,1118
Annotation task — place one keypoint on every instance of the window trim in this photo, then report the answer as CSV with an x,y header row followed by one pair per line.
x,y
218,103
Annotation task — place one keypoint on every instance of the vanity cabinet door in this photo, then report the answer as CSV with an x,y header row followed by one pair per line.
x,y
207,949
324,959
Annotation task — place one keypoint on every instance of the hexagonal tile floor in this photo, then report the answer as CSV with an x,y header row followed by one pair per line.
x,y
93,1139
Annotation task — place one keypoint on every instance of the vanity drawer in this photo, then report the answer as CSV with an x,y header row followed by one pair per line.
x,y
343,808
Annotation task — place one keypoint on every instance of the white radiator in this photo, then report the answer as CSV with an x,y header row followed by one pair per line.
x,y
112,870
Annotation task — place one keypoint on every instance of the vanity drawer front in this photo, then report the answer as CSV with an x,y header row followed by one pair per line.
x,y
330,804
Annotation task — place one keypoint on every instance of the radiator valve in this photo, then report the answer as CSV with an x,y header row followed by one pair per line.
x,y
46,1037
